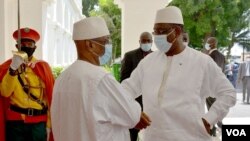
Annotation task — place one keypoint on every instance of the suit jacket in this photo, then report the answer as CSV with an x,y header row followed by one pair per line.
x,y
219,59
244,70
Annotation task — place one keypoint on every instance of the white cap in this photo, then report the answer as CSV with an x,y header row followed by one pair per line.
x,y
90,28
170,14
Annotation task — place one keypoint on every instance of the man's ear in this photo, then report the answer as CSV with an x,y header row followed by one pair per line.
x,y
88,43
178,30
89,46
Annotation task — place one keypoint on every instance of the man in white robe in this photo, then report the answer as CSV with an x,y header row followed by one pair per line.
x,y
88,103
175,81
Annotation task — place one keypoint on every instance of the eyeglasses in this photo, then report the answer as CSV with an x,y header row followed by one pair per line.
x,y
162,31
102,42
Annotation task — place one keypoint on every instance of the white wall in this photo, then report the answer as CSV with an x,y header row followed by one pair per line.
x,y
137,16
2,34
58,46
29,17
53,19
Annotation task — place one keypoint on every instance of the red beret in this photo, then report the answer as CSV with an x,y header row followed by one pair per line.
x,y
27,33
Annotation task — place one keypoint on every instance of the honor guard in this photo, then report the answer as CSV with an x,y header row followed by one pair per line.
x,y
26,84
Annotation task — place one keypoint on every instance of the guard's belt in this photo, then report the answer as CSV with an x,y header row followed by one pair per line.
x,y
29,111
26,90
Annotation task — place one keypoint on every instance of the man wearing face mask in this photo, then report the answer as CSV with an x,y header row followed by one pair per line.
x,y
88,103
175,82
185,39
130,61
219,59
26,83
211,47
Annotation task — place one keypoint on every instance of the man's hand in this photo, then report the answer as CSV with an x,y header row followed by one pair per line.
x,y
207,126
144,121
17,61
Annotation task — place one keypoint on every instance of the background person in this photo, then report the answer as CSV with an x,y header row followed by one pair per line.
x,y
244,76
219,59
185,39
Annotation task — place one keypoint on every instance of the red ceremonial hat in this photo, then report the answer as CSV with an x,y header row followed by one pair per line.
x,y
27,33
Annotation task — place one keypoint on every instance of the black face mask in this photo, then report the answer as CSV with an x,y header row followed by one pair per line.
x,y
28,50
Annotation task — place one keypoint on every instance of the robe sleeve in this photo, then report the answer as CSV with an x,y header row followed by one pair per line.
x,y
133,83
120,108
217,85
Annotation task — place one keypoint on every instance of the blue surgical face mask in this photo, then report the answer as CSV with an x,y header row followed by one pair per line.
x,y
107,55
207,46
146,47
161,42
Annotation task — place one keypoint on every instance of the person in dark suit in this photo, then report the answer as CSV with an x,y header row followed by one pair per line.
x,y
185,39
129,63
219,58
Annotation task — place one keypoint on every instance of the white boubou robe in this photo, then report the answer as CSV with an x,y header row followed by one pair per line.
x,y
88,104
174,90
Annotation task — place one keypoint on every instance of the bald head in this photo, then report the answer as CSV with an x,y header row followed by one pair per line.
x,y
212,41
145,37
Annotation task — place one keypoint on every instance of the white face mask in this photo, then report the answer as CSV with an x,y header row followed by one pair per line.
x,y
107,55
146,47
161,42
207,46
185,44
